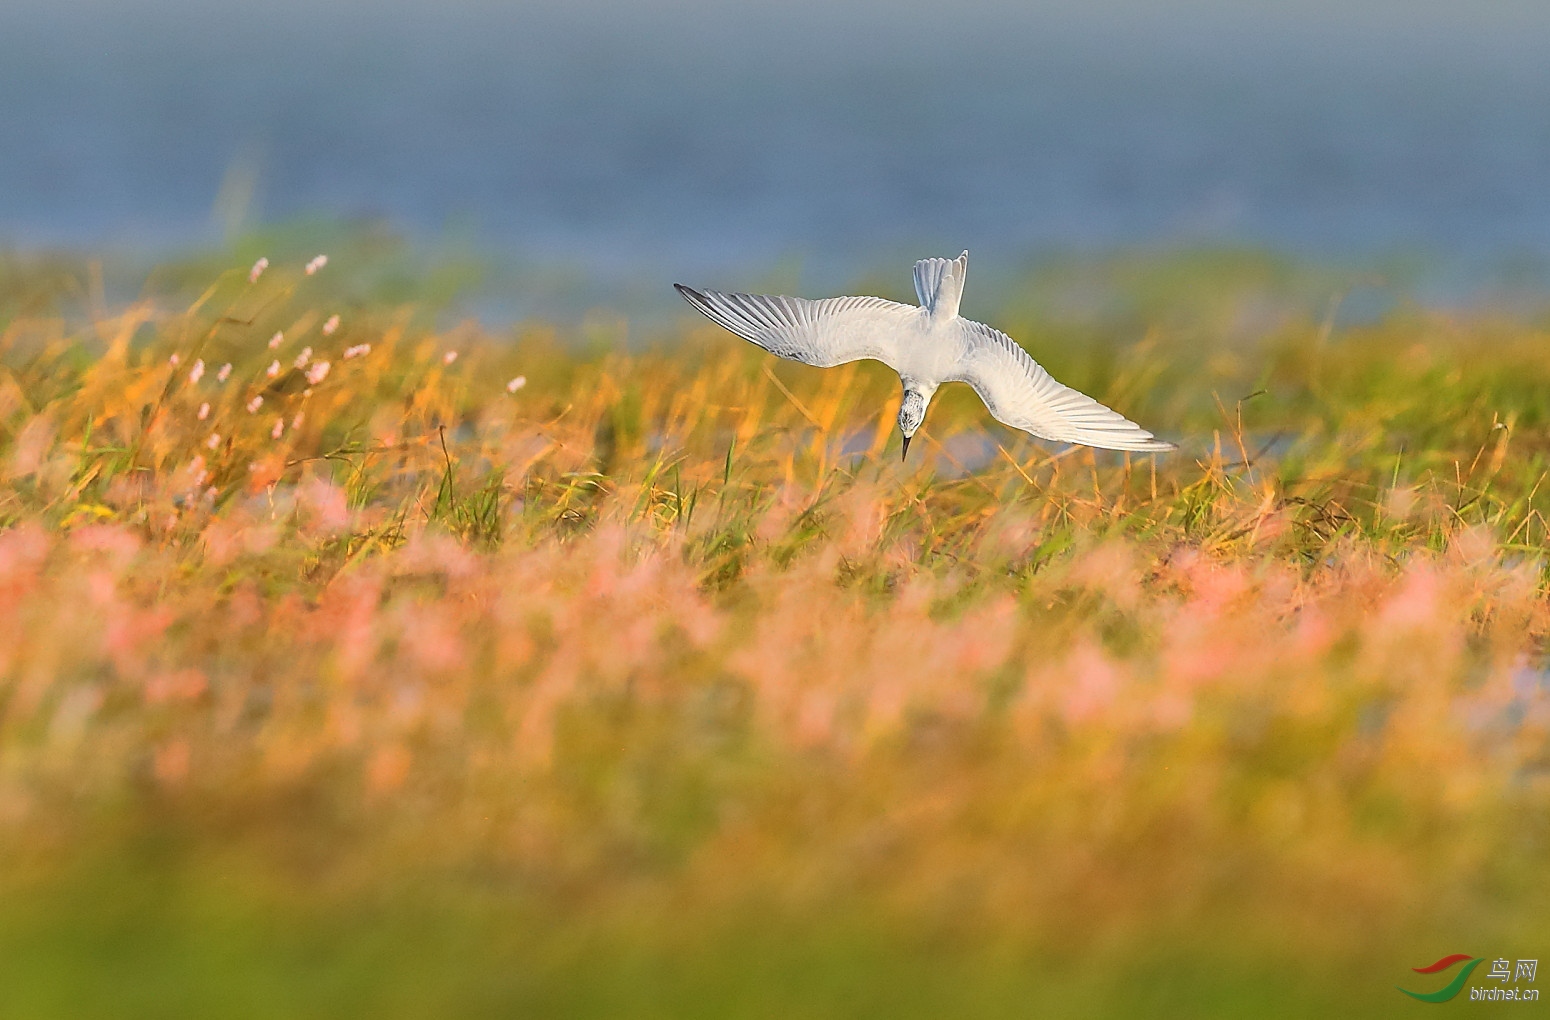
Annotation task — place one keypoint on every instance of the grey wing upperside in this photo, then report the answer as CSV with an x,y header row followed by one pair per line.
x,y
1020,393
824,333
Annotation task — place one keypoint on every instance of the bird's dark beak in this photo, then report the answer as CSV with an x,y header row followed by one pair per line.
x,y
906,452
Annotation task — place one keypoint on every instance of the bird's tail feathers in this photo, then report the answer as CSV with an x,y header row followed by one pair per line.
x,y
939,284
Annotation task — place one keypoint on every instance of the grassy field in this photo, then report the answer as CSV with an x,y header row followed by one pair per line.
x,y
358,667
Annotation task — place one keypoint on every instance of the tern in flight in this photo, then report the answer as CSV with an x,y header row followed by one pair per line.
x,y
927,346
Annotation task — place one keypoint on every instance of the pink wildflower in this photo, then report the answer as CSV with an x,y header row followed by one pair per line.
x,y
276,340
196,470
173,361
224,373
213,441
304,357
273,369
449,357
317,373
278,430
358,351
204,411
197,372
255,404
1095,684
317,263
296,421
257,270
516,384
331,325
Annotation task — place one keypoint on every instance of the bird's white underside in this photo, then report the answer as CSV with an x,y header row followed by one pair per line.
x,y
927,345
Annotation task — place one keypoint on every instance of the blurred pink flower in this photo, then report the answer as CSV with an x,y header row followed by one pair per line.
x,y
815,718
317,373
430,635
1198,649
273,369
1415,604
296,421
255,404
358,351
516,384
317,263
388,769
302,358
224,373
174,360
1171,710
180,685
204,411
326,504
449,357
197,372
331,325
257,270
1313,634
278,430
170,762
1093,683
276,340
214,440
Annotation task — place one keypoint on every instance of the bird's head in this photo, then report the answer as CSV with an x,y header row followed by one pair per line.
x,y
912,411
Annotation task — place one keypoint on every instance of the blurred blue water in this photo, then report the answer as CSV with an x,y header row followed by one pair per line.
x,y
689,136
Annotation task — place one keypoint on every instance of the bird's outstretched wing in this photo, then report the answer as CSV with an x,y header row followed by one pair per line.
x,y
1020,393
823,333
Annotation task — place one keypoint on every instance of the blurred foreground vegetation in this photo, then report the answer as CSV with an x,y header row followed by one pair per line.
x,y
405,670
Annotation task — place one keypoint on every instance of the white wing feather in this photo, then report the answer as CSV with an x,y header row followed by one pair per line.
x,y
1020,393
822,333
